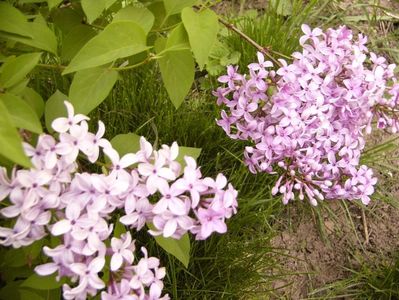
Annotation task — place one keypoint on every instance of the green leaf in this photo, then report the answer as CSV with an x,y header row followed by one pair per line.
x,y
32,98
140,15
126,143
14,70
13,21
11,143
29,295
14,257
42,37
109,3
230,59
10,291
118,40
9,274
178,39
30,1
38,282
188,151
66,19
19,87
202,28
55,108
33,250
176,64
177,71
22,115
175,6
93,9
53,3
178,248
76,38
119,229
90,87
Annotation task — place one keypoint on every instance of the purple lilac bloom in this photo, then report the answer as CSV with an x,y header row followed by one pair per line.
x,y
308,125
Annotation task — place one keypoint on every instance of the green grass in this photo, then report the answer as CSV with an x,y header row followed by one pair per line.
x,y
371,281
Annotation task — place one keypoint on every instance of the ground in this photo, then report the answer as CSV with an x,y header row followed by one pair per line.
x,y
320,258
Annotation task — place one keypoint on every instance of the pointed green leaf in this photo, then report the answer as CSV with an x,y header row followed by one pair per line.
x,y
93,9
30,1
202,28
119,229
140,15
90,87
187,151
22,115
14,258
126,143
53,3
177,70
29,295
76,38
66,19
19,87
55,108
175,6
109,3
38,282
14,70
11,143
9,274
13,21
178,39
32,98
42,37
10,291
178,248
118,40
33,250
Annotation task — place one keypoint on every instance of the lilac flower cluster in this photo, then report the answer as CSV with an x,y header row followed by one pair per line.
x,y
80,208
307,120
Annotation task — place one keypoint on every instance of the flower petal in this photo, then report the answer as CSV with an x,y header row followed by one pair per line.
x,y
61,227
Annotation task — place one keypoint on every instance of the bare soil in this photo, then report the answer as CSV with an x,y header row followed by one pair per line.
x,y
317,252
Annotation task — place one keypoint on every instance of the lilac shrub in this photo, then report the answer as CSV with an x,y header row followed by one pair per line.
x,y
54,197
307,120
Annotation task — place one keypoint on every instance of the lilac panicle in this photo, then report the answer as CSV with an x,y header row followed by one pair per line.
x,y
149,186
307,120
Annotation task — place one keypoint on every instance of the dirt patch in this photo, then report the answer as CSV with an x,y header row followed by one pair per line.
x,y
318,249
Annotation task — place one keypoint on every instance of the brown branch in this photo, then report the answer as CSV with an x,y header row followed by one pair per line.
x,y
264,50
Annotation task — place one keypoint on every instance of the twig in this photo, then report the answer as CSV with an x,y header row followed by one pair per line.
x,y
264,50
148,59
365,227
61,67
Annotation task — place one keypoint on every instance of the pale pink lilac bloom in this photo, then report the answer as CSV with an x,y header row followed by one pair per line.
x,y
140,188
